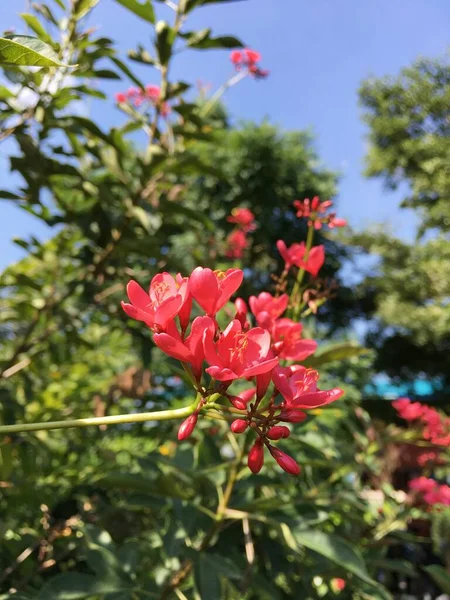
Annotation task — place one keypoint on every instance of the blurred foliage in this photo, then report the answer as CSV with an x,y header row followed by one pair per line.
x,y
409,135
125,512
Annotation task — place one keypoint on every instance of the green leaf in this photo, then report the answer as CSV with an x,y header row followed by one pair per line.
x,y
143,10
33,22
165,37
175,89
176,208
123,67
27,51
76,586
9,195
440,576
141,55
191,4
335,352
397,566
335,549
5,93
6,463
206,578
223,41
83,7
45,11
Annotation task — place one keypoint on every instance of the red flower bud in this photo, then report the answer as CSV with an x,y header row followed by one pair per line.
x,y
239,426
286,462
256,457
187,427
238,402
291,415
278,432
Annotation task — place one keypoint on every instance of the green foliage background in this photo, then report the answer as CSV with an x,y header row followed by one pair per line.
x,y
126,513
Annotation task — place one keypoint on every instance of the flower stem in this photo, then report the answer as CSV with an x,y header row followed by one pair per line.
x,y
161,415
301,272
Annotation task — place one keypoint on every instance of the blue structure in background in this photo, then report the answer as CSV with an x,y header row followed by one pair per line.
x,y
420,389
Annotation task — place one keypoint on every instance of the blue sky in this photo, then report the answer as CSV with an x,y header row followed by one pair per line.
x,y
318,52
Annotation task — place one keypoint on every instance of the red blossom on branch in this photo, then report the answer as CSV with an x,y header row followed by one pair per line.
x,y
163,302
298,386
213,289
248,59
216,358
236,244
288,343
238,354
297,255
315,211
150,95
243,217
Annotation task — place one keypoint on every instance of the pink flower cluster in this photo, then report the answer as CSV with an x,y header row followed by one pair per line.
x,y
315,211
237,240
248,60
150,95
436,427
432,493
279,394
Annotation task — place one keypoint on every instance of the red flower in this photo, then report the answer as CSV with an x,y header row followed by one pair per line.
x,y
161,305
236,57
251,56
191,349
132,92
401,403
295,255
152,92
336,222
298,386
238,354
438,495
422,484
314,262
120,97
249,60
410,411
243,217
237,243
266,308
314,210
213,289
290,255
288,343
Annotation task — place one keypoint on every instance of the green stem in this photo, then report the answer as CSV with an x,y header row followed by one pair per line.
x,y
301,272
162,415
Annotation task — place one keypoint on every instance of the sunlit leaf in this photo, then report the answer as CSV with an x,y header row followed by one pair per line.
x,y
27,51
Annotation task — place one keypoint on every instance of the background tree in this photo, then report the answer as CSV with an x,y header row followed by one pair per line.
x,y
409,134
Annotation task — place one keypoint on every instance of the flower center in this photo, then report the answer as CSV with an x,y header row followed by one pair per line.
x,y
160,290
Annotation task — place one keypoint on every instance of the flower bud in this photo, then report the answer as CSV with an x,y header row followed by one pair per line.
x,y
277,432
256,457
286,462
241,306
187,427
292,415
239,426
237,402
